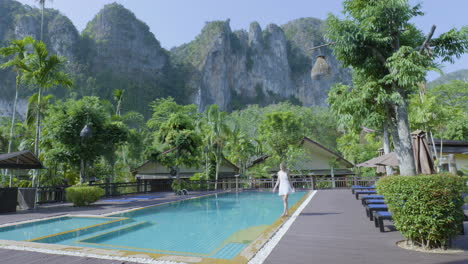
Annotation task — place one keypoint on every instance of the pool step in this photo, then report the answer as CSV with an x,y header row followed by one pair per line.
x,y
116,232
55,238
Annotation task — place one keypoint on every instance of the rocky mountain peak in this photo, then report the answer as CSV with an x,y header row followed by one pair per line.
x,y
220,66
255,34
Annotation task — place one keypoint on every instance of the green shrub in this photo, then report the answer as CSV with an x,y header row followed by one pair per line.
x,y
83,195
178,185
466,199
324,185
426,209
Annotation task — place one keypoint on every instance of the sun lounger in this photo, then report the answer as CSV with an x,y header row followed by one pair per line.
x,y
375,207
364,192
374,201
372,196
379,217
359,187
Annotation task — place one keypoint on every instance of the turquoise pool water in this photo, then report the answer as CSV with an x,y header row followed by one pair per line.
x,y
217,226
42,228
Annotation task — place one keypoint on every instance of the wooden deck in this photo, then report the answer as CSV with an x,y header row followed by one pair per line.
x,y
333,228
26,257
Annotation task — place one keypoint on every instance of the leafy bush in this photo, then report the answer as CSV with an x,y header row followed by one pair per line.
x,y
466,199
426,209
178,185
324,185
84,195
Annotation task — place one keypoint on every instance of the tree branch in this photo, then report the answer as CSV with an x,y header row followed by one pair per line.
x,y
321,46
428,38
377,53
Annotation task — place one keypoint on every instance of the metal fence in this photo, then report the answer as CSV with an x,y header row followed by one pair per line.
x,y
58,194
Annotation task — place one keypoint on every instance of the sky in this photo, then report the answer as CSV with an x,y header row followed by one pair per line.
x,y
174,22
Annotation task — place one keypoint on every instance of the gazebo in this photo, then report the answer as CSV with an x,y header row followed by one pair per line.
x,y
23,160
20,160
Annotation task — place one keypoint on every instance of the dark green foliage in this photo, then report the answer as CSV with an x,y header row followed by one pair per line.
x,y
426,209
239,101
299,62
279,131
63,124
83,195
195,51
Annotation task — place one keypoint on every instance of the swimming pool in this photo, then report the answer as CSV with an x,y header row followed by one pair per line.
x,y
215,227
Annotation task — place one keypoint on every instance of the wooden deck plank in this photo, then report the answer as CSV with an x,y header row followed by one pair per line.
x,y
333,228
26,257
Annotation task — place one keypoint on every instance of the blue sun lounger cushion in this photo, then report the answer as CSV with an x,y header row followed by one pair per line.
x,y
379,217
375,207
364,192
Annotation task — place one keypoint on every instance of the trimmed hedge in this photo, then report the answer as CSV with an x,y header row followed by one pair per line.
x,y
83,195
426,209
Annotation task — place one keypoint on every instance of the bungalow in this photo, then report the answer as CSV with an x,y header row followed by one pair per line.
x,y
317,160
454,154
153,170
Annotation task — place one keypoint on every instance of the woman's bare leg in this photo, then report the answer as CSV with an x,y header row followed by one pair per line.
x,y
285,203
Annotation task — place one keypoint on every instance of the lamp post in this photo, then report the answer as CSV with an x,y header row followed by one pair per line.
x,y
85,134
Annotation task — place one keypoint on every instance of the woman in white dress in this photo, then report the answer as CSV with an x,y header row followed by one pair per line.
x,y
284,187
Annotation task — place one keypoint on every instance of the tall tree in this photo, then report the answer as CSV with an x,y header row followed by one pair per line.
x,y
42,4
181,142
240,148
279,131
44,71
118,98
378,41
18,49
62,142
217,136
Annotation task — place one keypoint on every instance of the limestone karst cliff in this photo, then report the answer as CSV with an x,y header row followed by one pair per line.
x,y
221,66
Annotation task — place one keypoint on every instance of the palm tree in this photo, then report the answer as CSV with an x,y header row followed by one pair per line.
x,y
18,48
42,3
217,136
118,97
44,71
32,110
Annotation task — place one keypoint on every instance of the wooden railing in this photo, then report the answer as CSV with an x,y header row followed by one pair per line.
x,y
58,194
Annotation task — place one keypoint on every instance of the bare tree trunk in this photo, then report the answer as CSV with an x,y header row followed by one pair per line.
x,y
38,131
435,151
386,146
82,171
42,18
12,129
217,172
405,152
13,117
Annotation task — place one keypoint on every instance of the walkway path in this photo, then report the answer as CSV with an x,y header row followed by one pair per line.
x,y
334,229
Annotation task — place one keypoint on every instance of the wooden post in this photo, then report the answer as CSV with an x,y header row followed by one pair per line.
x,y
452,164
332,173
314,182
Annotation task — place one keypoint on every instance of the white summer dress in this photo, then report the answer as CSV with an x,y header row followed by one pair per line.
x,y
284,185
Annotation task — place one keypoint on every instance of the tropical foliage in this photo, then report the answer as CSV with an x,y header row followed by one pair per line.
x,y
389,57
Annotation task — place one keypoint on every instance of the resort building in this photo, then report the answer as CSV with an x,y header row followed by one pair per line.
x,y
454,154
316,160
152,170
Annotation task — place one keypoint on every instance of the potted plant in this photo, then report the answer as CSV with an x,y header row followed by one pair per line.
x,y
8,198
